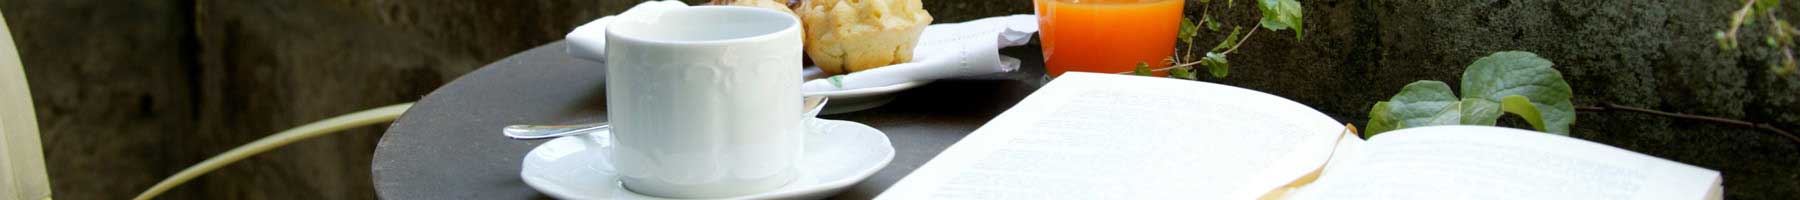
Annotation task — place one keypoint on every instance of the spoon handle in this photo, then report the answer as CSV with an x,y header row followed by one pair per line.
x,y
533,132
812,104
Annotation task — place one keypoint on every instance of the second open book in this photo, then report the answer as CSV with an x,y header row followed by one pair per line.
x,y
1100,136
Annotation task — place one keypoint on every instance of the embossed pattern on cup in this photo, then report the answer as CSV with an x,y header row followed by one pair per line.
x,y
701,100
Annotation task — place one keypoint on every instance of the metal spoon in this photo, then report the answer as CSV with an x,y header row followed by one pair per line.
x,y
814,104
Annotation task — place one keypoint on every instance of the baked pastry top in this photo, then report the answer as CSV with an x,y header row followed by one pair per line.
x,y
846,36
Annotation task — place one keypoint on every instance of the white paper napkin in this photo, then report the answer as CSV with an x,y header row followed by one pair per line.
x,y
944,50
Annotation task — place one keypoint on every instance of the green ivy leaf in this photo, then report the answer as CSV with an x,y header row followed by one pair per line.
x,y
1782,36
1523,84
1725,41
1763,6
1749,20
1506,82
1188,30
1143,69
1210,23
1381,119
1787,67
1230,40
1520,105
1183,73
1281,14
1216,64
1422,103
1480,112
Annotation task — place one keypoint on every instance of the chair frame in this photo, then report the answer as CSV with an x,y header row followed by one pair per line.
x,y
22,173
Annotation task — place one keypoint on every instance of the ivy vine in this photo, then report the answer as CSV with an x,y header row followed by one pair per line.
x,y
1781,33
1276,15
1513,82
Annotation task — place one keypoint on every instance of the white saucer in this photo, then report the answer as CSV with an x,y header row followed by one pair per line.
x,y
844,101
838,154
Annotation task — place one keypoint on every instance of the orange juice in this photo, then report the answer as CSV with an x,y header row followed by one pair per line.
x,y
1107,36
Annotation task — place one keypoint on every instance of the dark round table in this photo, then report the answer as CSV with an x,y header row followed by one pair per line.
x,y
448,146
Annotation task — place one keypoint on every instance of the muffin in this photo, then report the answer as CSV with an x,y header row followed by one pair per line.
x,y
844,36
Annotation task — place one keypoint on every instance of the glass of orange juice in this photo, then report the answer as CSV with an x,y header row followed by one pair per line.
x,y
1107,36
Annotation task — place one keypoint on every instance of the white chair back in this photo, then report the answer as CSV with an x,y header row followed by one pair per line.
x,y
22,174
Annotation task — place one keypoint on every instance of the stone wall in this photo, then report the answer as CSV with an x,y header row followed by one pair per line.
x,y
112,83
129,92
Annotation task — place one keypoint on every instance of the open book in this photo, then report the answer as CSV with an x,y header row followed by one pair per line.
x,y
1101,136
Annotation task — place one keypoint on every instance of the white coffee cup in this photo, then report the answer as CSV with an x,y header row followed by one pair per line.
x,y
702,101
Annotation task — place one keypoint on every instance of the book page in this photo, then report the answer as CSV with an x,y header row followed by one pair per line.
x,y
1348,147
1099,136
1478,162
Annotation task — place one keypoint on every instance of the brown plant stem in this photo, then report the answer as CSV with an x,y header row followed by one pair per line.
x,y
1783,32
1234,47
1205,11
1737,19
1762,126
1240,43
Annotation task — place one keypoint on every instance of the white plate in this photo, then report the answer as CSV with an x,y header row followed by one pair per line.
x,y
838,154
844,101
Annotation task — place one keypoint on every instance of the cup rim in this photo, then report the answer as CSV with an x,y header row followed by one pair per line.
x,y
791,24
